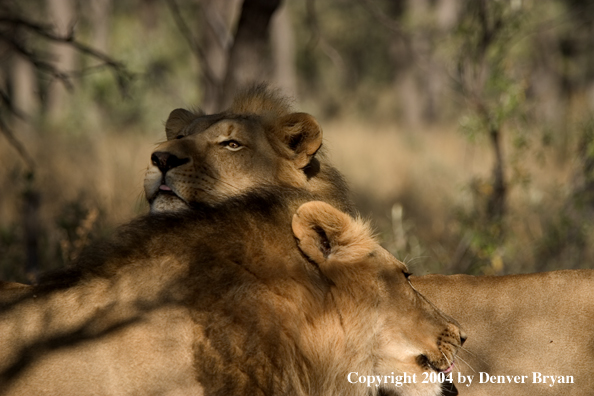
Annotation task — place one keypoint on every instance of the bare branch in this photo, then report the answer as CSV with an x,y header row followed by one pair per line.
x,y
7,103
12,25
219,28
194,46
121,74
318,40
17,145
385,20
36,59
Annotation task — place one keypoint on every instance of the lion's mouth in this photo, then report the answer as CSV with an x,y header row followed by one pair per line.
x,y
165,187
165,199
449,369
445,371
448,389
165,191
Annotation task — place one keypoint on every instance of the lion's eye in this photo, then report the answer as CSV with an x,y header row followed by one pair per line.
x,y
232,145
180,137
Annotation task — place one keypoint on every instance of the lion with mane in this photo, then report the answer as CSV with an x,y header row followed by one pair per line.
x,y
517,324
257,142
220,300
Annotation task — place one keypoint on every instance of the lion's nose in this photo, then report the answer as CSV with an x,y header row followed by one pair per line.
x,y
165,161
463,337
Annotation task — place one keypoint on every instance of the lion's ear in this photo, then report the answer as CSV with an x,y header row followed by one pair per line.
x,y
302,135
178,119
329,237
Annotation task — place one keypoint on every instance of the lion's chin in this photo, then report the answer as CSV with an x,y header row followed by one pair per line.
x,y
167,202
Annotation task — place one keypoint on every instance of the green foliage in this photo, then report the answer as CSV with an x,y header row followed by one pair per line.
x,y
565,240
483,235
343,53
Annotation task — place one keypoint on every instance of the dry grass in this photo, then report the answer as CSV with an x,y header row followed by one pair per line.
x,y
416,186
106,171
87,185
385,161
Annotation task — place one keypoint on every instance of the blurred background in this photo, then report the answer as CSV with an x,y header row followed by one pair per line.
x,y
465,127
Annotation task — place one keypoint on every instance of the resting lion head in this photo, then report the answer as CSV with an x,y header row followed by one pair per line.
x,y
257,142
407,334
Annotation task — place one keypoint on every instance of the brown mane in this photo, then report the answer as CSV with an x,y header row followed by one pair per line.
x,y
262,101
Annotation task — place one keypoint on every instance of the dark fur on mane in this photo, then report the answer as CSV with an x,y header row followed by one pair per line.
x,y
261,100
132,241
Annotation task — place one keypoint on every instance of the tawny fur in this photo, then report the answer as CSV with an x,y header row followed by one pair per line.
x,y
218,301
521,324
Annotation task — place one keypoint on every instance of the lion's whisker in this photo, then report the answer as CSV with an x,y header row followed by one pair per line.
x,y
227,183
414,259
474,355
446,358
466,363
468,351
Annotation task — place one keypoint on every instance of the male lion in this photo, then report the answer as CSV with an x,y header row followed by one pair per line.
x,y
520,324
218,300
257,142
521,328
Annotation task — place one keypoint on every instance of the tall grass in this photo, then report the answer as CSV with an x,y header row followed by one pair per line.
x,y
424,190
86,185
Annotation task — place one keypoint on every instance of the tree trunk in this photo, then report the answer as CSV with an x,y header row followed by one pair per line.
x,y
217,21
250,58
149,15
283,49
62,16
25,96
31,222
100,10
496,203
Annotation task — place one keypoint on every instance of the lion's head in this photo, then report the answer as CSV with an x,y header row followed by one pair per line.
x,y
257,142
381,313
